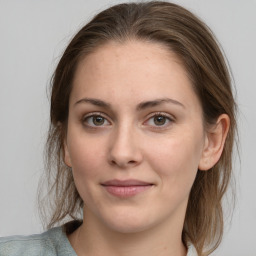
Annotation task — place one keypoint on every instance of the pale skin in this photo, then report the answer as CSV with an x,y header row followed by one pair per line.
x,y
133,114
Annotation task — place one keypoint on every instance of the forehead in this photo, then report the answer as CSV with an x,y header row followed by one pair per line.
x,y
139,69
130,52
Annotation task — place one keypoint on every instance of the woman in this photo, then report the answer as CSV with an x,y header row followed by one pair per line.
x,y
140,140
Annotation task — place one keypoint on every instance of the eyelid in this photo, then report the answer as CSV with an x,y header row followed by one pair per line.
x,y
92,114
170,118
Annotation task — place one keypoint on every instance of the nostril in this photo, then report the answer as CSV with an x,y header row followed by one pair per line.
x,y
123,163
113,162
132,162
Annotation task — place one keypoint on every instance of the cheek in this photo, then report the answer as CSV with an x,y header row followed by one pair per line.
x,y
176,159
176,165
86,157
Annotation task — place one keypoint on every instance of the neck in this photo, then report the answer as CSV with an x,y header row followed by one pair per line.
x,y
93,238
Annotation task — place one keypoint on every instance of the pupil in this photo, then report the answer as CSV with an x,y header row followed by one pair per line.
x,y
98,120
159,120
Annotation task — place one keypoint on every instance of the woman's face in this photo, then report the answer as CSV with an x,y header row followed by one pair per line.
x,y
135,136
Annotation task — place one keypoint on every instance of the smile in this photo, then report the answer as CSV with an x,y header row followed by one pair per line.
x,y
126,188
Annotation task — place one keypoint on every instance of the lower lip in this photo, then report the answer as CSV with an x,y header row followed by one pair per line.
x,y
126,191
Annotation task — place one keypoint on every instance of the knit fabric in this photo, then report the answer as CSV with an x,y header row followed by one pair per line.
x,y
53,242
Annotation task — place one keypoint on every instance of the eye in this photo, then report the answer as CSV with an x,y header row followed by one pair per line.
x,y
159,120
95,120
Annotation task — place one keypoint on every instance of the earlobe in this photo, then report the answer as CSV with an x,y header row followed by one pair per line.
x,y
66,156
214,143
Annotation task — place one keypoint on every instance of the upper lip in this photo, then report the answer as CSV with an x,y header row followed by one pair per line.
x,y
125,183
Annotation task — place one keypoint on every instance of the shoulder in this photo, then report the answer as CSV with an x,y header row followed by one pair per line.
x,y
51,243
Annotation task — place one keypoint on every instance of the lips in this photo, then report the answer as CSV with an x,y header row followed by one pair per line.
x,y
126,188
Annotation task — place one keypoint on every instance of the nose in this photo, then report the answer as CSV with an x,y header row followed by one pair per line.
x,y
124,150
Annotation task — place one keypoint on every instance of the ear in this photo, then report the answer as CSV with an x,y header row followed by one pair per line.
x,y
67,159
214,143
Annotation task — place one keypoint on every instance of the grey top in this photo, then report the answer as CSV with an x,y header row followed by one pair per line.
x,y
53,242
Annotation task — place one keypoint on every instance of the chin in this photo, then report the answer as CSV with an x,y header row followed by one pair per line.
x,y
128,222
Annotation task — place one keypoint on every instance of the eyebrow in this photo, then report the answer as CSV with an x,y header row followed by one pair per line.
x,y
95,102
157,102
140,106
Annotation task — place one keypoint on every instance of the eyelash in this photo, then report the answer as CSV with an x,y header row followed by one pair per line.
x,y
93,115
168,119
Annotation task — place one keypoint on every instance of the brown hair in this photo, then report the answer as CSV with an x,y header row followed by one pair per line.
x,y
193,42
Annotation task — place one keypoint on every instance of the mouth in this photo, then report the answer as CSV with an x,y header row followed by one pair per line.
x,y
126,188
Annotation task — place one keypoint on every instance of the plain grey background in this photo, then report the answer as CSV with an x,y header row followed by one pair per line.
x,y
33,36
